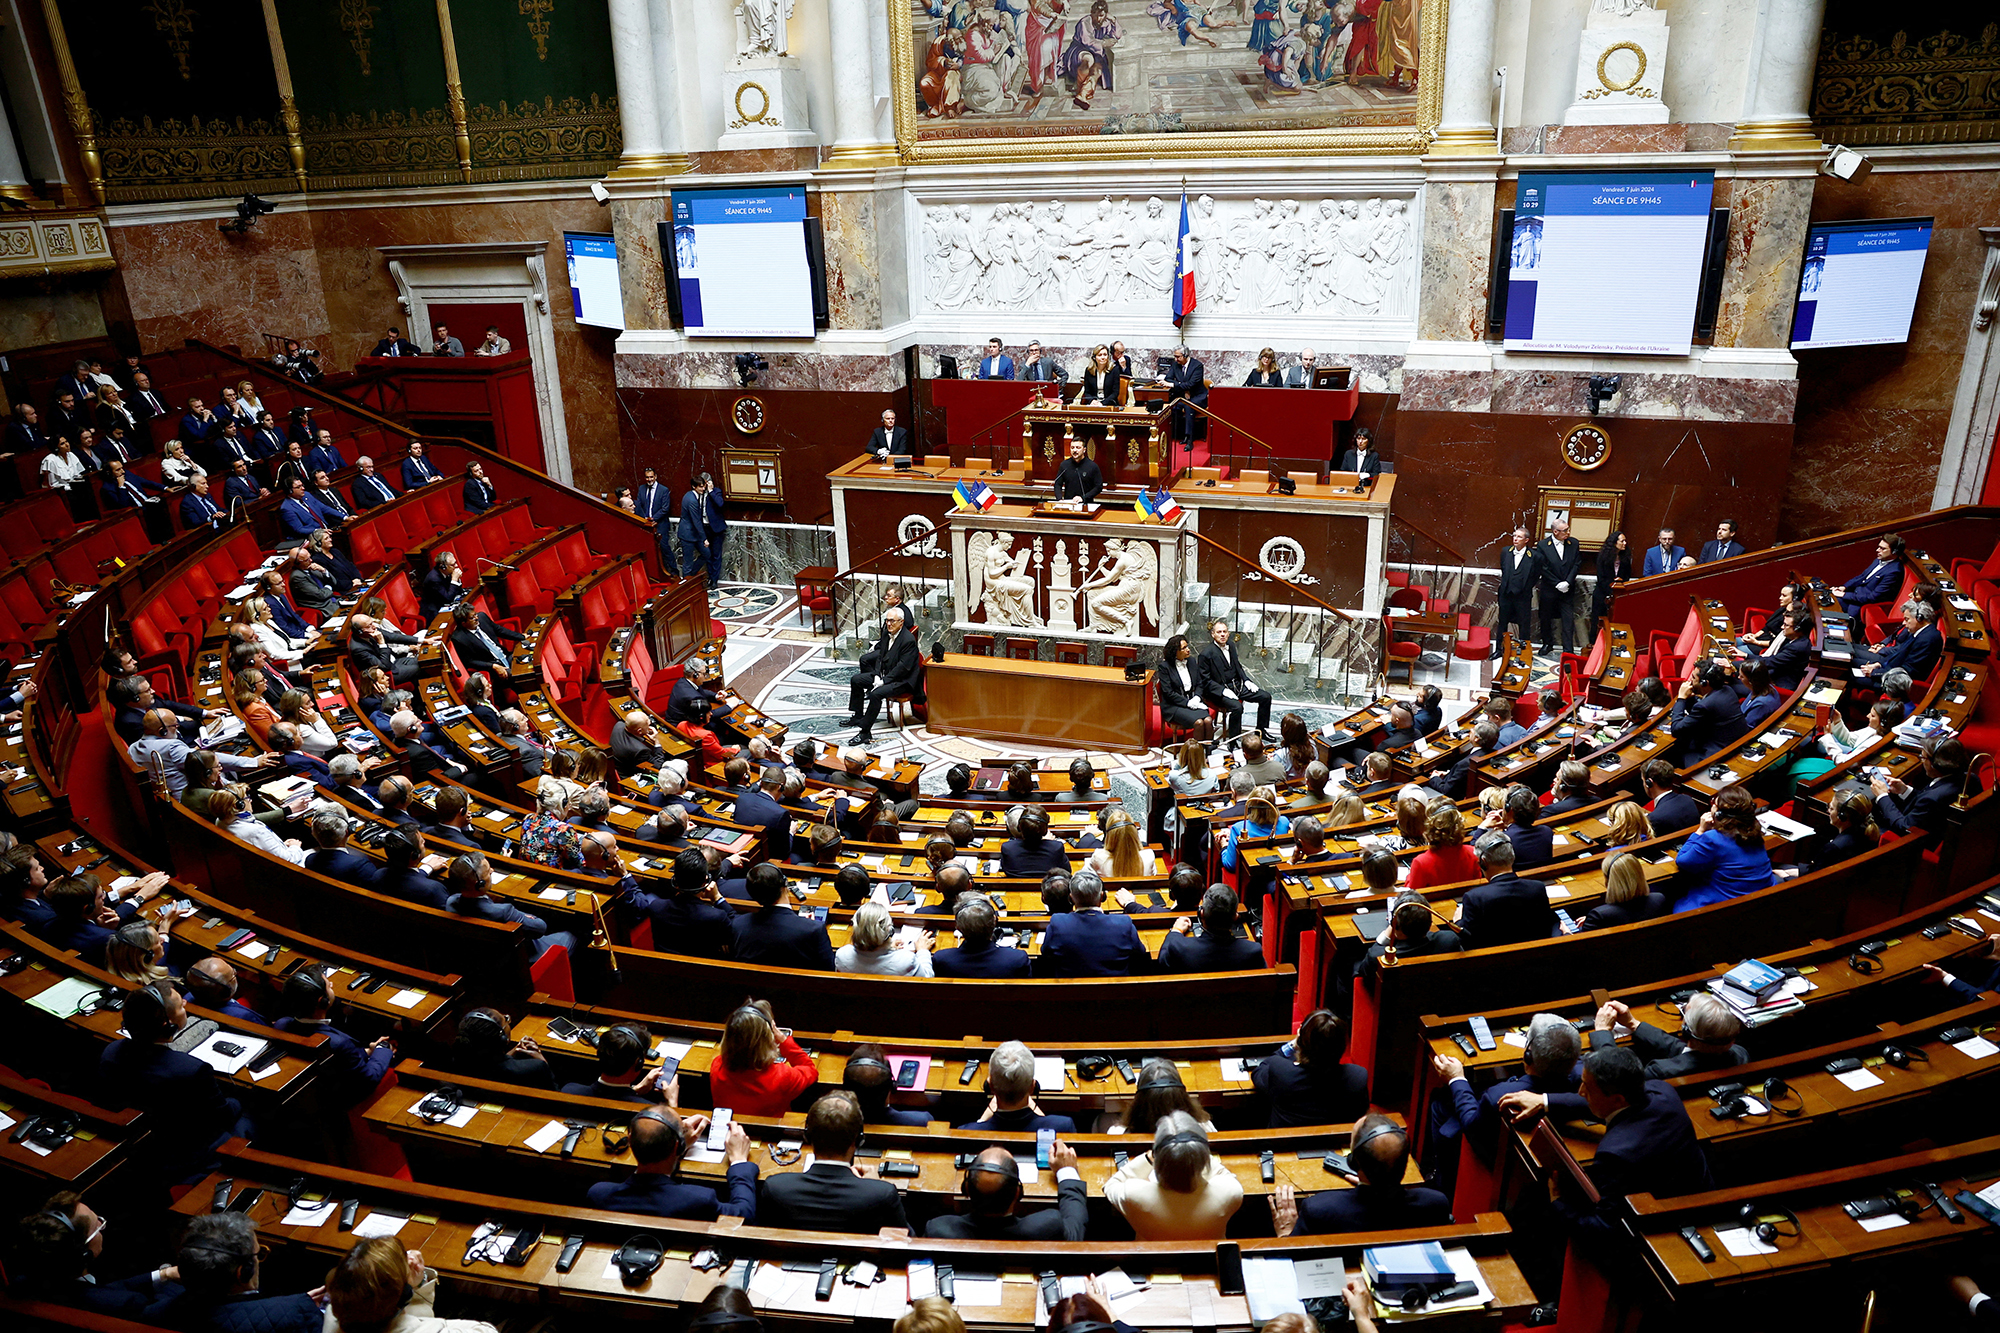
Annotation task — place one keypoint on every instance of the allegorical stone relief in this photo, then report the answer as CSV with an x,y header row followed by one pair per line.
x,y
1117,597
1000,581
1129,578
1342,258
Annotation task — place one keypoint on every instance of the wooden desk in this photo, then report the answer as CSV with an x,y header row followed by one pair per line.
x,y
1039,703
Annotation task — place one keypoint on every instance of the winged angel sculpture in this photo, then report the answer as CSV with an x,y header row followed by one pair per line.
x,y
1129,577
999,577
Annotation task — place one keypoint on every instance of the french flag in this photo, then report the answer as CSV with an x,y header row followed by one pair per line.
x,y
1184,294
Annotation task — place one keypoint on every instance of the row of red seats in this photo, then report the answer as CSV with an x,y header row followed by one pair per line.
x,y
611,601
382,536
87,556
493,538
29,527
165,631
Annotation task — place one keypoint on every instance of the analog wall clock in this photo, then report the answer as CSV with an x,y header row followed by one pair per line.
x,y
1585,446
748,415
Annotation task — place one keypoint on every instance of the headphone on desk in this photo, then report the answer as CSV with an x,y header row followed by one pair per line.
x,y
639,1257
1754,1218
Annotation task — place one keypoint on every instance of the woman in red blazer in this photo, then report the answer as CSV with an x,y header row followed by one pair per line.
x,y
748,1075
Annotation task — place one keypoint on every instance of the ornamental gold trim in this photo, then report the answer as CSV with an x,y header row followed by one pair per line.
x,y
1930,89
174,21
1304,137
763,116
1605,59
357,20
537,12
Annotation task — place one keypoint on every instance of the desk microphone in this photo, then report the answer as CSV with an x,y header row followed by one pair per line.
x,y
491,561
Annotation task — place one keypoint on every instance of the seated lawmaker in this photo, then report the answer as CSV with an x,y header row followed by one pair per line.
x,y
56,1248
1878,582
1706,714
758,1069
442,586
1706,1044
220,1265
1627,895
1725,857
470,878
867,1075
352,1069
834,1193
622,1073
976,954
660,1138
1361,457
1669,810
1379,1155
991,1197
187,1115
774,935
1031,852
1305,1082
1548,1064
1915,648
1177,1191
1215,946
1010,1088
1923,809
1087,941
1506,909
1265,374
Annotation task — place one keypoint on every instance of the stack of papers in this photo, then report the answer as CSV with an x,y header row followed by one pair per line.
x,y
1755,1013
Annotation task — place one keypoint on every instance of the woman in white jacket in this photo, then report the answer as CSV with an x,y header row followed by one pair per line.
x,y
872,946
380,1287
257,615
315,736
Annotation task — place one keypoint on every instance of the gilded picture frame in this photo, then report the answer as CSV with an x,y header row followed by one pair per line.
x,y
1064,120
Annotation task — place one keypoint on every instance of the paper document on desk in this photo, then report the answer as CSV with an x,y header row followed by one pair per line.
x,y
1233,1070
1049,1073
547,1137
1272,1288
310,1214
378,1224
1320,1277
228,1064
1791,830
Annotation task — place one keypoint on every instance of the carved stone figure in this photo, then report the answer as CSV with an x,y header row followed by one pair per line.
x,y
1622,9
763,31
1129,578
999,580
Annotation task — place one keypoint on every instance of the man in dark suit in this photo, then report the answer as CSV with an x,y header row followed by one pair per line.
x,y
1451,781
1649,1144
144,402
1301,375
691,700
1706,1044
1031,852
323,494
240,486
211,983
298,513
694,915
68,419
635,742
1669,809
395,344
197,509
764,809
1662,558
702,529
775,936
976,954
1187,379
417,468
654,502
351,1069
1706,715
992,1194
1214,947
371,488
1558,556
186,1112
1226,686
995,365
330,857
403,852
371,644
1362,459
123,490
659,1138
1916,648
1724,546
1908,808
622,1074
1519,571
1010,1089
1506,909
889,440
76,918
1041,369
470,878
1548,1063
1534,844
1789,657
481,644
1379,1155
833,1194
25,434
478,493
1088,941
895,673
1878,582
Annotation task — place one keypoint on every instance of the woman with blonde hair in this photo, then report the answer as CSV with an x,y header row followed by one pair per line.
x,y
1447,858
379,1287
1189,775
1260,820
176,468
1266,375
1102,382
1627,896
246,394
315,736
758,1068
247,689
1492,801
111,411
872,948
1626,823
1347,808
1854,830
559,773
229,810
257,615
930,1314
136,952
1121,856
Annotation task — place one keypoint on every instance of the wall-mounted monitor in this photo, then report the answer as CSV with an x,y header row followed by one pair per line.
x,y
1858,285
1607,261
594,297
738,263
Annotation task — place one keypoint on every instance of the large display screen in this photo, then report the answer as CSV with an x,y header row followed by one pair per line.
x,y
740,261
1859,282
1607,261
594,297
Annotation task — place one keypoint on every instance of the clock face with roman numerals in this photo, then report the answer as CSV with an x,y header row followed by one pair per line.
x,y
1585,446
748,415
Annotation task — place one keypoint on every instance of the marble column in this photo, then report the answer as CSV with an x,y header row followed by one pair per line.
x,y
1975,409
854,143
1779,112
1465,122
638,101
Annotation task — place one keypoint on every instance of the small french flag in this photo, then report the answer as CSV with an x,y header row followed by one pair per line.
x,y
973,495
1184,294
1166,508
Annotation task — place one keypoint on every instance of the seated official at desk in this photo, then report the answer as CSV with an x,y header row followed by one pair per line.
x,y
353,1070
995,365
867,1075
1725,857
219,1264
1010,1088
57,1246
1178,1191
1548,1064
1265,374
187,1114
621,1069
1361,456
1306,1082
833,1194
1627,896
1915,646
1103,382
1213,946
889,439
660,1137
1923,808
1301,375
1080,478
1706,1044
976,954
1379,1156
1878,582
486,1048
992,1201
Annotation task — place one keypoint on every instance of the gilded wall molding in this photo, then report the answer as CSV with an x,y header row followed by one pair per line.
x,y
454,91
546,138
175,159
537,13
1938,88
174,21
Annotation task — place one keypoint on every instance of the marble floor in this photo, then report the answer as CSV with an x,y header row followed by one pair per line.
x,y
776,659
